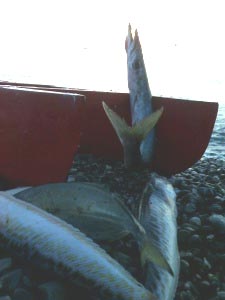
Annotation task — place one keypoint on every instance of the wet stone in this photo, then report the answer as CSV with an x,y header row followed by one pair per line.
x,y
52,290
186,295
195,240
185,266
11,280
216,208
190,208
218,222
221,295
22,294
5,264
195,221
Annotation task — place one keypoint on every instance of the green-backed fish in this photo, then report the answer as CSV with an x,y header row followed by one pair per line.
x,y
157,214
50,243
95,211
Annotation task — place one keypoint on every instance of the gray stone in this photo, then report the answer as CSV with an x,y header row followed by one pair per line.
x,y
190,208
5,264
5,298
22,294
52,290
184,266
195,240
186,295
216,208
221,295
218,222
206,264
183,236
195,221
11,280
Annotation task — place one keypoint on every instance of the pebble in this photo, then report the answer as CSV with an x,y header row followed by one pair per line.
x,y
5,263
11,279
218,222
216,208
185,266
221,295
22,294
195,241
190,208
195,221
52,290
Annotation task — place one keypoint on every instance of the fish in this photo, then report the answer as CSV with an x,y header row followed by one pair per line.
x,y
96,211
132,137
137,140
157,214
51,244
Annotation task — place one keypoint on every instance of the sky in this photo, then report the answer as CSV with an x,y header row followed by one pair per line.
x,y
80,44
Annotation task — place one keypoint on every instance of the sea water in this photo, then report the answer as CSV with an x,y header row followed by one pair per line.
x,y
216,147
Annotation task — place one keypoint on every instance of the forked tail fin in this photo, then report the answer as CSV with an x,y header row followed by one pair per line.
x,y
131,137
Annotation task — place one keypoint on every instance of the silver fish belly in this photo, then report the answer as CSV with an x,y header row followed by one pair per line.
x,y
32,233
140,94
157,214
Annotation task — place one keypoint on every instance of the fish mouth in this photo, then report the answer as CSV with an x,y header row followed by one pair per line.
x,y
162,187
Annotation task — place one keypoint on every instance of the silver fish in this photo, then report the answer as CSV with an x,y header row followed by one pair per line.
x,y
140,94
40,237
157,214
138,140
95,211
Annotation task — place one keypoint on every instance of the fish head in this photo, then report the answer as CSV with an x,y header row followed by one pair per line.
x,y
135,62
163,188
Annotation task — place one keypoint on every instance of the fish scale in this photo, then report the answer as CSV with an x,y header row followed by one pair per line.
x,y
55,243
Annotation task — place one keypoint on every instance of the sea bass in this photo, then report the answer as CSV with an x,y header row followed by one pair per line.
x,y
157,214
97,212
37,236
138,140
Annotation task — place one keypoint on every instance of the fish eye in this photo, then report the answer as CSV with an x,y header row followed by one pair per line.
x,y
136,64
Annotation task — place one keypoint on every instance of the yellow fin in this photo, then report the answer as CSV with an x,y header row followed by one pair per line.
x,y
142,128
119,124
151,253
131,137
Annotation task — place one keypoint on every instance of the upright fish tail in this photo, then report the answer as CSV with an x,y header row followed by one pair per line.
x,y
140,93
132,137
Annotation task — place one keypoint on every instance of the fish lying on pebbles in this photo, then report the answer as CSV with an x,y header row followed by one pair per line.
x,y
50,243
95,211
138,140
157,214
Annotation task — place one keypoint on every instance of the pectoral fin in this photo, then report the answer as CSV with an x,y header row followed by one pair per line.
x,y
150,253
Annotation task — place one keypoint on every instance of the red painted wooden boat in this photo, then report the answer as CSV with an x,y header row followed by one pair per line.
x,y
182,134
39,133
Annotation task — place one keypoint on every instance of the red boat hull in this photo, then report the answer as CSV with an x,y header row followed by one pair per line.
x,y
39,133
182,133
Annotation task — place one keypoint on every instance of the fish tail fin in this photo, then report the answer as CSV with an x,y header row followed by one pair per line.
x,y
151,253
128,139
142,128
131,137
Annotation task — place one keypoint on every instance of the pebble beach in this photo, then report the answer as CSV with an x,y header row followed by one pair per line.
x,y
201,233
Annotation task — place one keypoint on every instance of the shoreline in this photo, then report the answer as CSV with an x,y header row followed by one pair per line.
x,y
200,195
